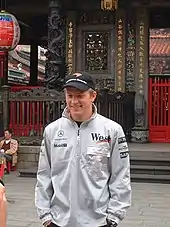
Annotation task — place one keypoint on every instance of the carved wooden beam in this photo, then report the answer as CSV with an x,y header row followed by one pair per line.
x,y
150,3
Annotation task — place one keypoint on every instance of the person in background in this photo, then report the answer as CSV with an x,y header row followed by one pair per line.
x,y
3,205
8,149
83,177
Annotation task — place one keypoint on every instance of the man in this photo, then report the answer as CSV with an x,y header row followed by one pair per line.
x,y
8,148
3,204
83,177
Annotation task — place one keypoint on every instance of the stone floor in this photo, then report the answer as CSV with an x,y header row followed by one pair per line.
x,y
150,206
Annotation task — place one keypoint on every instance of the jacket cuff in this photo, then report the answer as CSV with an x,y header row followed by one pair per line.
x,y
111,217
46,218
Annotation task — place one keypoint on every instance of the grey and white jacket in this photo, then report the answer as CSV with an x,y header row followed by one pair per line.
x,y
83,175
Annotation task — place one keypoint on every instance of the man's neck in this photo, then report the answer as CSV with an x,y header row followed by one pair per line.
x,y
82,119
78,123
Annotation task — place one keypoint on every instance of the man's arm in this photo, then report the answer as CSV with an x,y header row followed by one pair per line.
x,y
1,143
3,205
44,189
119,183
13,147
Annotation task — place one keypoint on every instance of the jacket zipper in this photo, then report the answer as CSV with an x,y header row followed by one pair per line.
x,y
78,136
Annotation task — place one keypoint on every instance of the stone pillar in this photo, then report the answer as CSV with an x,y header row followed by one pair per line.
x,y
119,51
140,131
3,68
55,65
5,101
34,63
3,81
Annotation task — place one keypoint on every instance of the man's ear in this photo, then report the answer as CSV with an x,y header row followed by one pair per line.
x,y
94,95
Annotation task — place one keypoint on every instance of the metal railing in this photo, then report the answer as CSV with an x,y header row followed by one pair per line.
x,y
27,110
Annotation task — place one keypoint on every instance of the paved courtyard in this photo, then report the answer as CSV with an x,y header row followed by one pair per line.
x,y
150,208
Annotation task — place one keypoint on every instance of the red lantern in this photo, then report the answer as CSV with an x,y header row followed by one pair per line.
x,y
9,31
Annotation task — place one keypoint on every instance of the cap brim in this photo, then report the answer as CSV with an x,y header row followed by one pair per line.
x,y
77,85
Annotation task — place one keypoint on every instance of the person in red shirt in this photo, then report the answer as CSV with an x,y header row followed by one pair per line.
x,y
8,148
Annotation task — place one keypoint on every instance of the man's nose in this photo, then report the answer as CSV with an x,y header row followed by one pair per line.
x,y
74,100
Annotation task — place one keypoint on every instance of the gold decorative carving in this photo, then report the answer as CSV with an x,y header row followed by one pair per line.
x,y
109,4
70,47
141,56
120,55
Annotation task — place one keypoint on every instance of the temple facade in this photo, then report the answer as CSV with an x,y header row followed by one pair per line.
x,y
116,42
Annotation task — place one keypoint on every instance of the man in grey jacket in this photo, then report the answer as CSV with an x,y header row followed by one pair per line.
x,y
83,177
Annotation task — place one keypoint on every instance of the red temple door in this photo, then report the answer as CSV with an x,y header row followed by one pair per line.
x,y
159,109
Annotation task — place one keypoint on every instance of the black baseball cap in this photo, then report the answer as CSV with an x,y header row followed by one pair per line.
x,y
82,81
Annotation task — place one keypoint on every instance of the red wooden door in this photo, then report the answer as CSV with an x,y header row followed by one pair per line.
x,y
159,109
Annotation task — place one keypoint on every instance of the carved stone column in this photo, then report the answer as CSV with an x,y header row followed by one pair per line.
x,y
55,65
140,131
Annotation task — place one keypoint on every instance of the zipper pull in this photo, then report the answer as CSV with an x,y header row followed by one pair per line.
x,y
78,135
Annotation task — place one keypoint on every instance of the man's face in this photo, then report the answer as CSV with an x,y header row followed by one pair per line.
x,y
7,135
79,103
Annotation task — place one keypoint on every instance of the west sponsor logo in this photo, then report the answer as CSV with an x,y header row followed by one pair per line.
x,y
99,138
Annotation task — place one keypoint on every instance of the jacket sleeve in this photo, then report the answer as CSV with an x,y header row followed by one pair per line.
x,y
44,188
1,143
119,182
13,147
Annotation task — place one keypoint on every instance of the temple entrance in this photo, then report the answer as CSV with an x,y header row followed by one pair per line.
x,y
159,86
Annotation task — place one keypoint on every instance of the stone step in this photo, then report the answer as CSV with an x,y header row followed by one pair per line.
x,y
156,151
150,170
30,172
166,168
145,178
150,155
149,161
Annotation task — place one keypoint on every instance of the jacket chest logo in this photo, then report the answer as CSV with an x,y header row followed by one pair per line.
x,y
99,138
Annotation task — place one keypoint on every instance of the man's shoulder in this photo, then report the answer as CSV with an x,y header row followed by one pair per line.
x,y
14,141
108,122
54,125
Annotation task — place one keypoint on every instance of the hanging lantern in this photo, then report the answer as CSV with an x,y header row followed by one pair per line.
x,y
9,31
109,4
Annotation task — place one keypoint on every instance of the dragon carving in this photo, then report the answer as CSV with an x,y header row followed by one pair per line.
x,y
56,44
